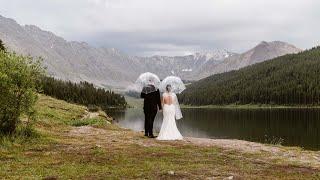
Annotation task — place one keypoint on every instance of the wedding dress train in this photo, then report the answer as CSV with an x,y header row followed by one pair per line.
x,y
169,130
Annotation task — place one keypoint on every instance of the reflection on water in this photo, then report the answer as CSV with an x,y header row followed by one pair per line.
x,y
297,127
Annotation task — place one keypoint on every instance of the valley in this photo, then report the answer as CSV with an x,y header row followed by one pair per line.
x,y
161,89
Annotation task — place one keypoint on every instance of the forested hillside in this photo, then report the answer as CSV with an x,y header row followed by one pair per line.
x,y
286,80
82,93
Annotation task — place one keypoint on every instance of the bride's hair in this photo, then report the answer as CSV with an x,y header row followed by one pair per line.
x,y
168,88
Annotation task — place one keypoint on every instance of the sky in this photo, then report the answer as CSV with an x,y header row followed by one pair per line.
x,y
172,27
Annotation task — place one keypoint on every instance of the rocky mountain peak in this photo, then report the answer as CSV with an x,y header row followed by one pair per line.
x,y
215,55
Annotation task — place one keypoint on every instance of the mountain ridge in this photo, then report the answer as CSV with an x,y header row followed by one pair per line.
x,y
109,67
261,52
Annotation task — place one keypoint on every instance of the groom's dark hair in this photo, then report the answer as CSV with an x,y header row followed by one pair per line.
x,y
168,87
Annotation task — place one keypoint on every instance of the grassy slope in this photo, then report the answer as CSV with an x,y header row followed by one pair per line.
x,y
64,151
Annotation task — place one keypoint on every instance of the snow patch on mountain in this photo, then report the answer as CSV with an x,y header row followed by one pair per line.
x,y
186,70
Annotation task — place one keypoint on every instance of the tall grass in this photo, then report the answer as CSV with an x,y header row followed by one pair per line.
x,y
23,134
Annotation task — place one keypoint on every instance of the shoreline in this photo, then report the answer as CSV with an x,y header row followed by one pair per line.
x,y
292,154
216,140
249,106
231,107
77,144
138,103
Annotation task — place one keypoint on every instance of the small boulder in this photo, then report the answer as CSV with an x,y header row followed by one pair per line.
x,y
230,177
51,178
98,146
210,178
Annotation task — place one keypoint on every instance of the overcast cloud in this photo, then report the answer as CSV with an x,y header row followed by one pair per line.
x,y
172,27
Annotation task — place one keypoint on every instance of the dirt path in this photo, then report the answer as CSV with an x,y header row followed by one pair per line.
x,y
102,137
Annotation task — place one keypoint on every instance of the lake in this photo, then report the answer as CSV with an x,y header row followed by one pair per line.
x,y
290,127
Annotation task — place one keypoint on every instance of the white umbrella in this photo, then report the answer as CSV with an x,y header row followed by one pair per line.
x,y
177,86
147,82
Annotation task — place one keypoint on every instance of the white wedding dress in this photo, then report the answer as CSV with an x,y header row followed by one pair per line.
x,y
171,112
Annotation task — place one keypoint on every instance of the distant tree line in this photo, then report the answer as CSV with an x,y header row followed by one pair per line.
x,y
81,93
287,80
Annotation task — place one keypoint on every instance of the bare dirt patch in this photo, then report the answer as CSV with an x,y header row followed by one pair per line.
x,y
310,158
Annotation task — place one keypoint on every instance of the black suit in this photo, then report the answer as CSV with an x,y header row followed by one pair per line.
x,y
151,104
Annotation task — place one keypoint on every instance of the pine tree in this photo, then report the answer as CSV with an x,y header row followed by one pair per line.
x,y
82,93
2,47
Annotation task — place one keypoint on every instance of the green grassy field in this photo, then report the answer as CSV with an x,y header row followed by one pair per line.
x,y
61,148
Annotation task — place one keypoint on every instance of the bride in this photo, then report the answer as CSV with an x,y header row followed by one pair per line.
x,y
171,112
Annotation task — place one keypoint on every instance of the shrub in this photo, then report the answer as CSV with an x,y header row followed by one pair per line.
x,y
19,76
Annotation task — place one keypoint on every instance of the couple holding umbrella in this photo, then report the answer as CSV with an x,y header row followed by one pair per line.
x,y
150,86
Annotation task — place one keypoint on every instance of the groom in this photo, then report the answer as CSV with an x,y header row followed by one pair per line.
x,y
152,103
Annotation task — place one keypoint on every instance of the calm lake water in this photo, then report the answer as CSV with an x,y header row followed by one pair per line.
x,y
291,127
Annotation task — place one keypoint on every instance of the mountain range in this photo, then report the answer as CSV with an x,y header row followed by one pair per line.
x,y
110,68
